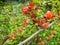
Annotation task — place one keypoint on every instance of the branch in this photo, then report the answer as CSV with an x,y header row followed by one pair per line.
x,y
30,37
23,42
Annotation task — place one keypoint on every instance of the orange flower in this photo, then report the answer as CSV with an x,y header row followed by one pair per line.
x,y
36,8
58,16
31,4
41,21
58,12
25,22
48,38
25,9
36,20
49,15
10,36
52,32
45,25
33,16
14,34
20,30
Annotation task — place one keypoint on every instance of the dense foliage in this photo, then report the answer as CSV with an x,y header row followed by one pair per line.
x,y
17,22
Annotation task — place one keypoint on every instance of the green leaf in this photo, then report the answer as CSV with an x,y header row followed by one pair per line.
x,y
35,1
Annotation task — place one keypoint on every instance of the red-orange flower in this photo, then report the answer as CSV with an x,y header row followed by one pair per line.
x,y
31,4
45,25
58,16
49,15
10,36
41,21
25,9
33,16
20,30
52,32
25,22
14,34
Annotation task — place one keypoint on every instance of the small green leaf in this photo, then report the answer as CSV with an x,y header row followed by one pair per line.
x,y
35,1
